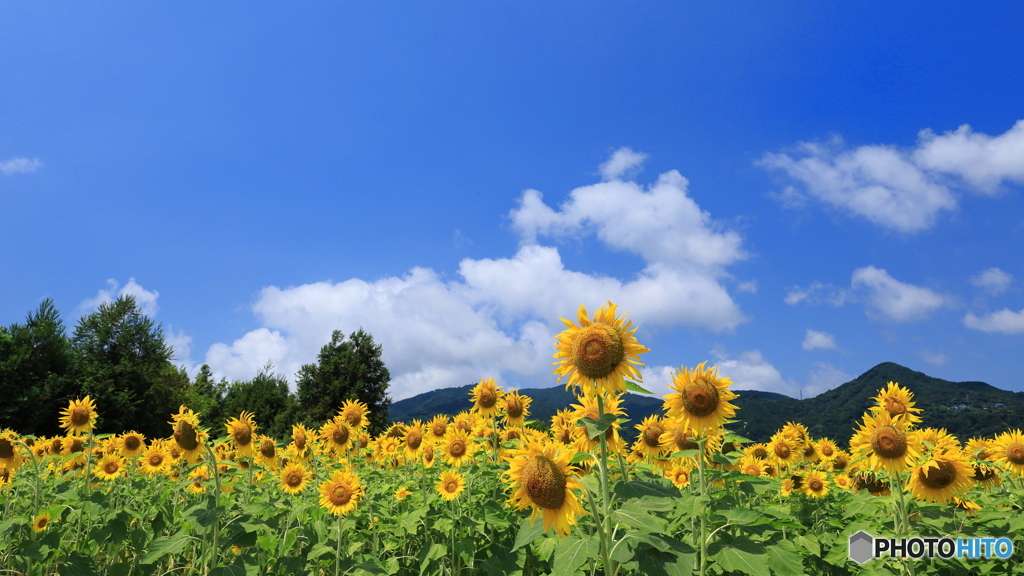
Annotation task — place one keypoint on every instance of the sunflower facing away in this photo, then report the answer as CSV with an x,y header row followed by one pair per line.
x,y
293,478
599,354
541,478
485,396
79,417
898,402
187,435
701,398
450,485
888,442
241,431
340,494
939,479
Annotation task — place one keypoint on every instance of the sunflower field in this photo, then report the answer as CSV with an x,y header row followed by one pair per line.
x,y
487,493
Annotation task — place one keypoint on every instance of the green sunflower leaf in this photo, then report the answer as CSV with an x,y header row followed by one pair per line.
x,y
634,387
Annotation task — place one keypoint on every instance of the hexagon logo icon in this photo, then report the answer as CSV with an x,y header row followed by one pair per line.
x,y
861,547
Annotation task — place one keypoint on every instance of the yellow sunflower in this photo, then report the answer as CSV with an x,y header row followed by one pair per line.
x,y
588,408
679,436
41,522
79,417
10,456
541,477
751,466
679,475
336,435
701,398
266,453
187,435
783,450
402,493
154,460
517,408
242,431
198,478
758,451
437,428
110,467
485,396
939,479
598,356
966,505
826,449
412,442
937,439
887,442
457,448
450,485
428,456
648,442
1008,450
815,484
843,481
293,478
840,462
340,494
301,437
354,413
465,421
979,449
897,402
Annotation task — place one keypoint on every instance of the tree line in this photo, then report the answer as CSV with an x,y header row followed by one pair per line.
x,y
118,356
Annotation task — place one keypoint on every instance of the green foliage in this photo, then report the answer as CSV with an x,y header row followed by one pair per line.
x,y
205,396
345,370
267,397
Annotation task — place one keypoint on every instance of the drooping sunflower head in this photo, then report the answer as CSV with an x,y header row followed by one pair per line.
x,y
41,522
457,448
10,456
80,416
293,478
701,398
485,396
540,477
242,431
341,492
815,484
888,442
516,408
1008,450
939,479
871,482
897,402
354,413
598,355
187,435
450,485
110,467
966,505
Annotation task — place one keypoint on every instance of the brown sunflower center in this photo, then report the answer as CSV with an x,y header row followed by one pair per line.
x,y
783,451
1015,453
242,434
652,435
752,470
42,522
340,435
55,445
155,459
827,451
938,478
486,399
982,473
683,442
514,408
565,436
809,452
132,443
185,435
293,479
888,442
353,418
440,428
760,453
6,449
544,482
597,350
700,398
457,448
413,439
815,485
340,495
79,416
839,463
268,449
111,468
895,406
451,486
428,454
511,434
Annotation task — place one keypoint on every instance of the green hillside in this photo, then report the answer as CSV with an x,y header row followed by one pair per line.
x,y
965,409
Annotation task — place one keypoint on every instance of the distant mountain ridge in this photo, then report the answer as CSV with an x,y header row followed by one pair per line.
x,y
965,409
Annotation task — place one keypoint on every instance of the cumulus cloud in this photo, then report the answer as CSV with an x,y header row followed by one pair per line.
x,y
818,293
146,299
20,166
815,339
623,161
994,281
499,316
1004,321
939,359
749,286
903,190
891,299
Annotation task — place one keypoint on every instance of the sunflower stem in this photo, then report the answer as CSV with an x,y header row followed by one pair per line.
x,y
605,494
337,548
214,551
703,517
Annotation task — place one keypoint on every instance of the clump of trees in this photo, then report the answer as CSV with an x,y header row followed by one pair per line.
x,y
118,356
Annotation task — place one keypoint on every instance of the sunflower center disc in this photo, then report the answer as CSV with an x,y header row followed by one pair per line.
x,y
6,449
487,399
457,449
514,408
1015,453
242,435
752,470
888,442
294,479
815,485
809,451
132,443
895,406
826,451
700,398
110,468
451,486
512,434
340,495
268,449
684,443
413,439
440,429
565,436
428,454
760,453
353,418
839,463
80,416
185,436
340,435
982,473
300,441
597,350
782,451
938,478
544,482
652,436
156,459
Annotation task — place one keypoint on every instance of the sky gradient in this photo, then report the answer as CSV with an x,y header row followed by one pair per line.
x,y
792,193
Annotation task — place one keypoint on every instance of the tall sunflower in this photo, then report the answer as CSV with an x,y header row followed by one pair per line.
x,y
336,435
516,408
1008,450
541,478
457,448
701,398
242,431
131,444
939,479
341,492
450,485
293,478
485,396
354,413
80,416
599,354
887,442
187,435
898,402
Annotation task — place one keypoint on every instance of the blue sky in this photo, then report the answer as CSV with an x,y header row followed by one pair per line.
x,y
793,193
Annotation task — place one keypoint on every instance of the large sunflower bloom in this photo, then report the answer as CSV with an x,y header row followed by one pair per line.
x,y
293,478
79,417
485,396
541,477
517,408
242,431
457,448
701,398
336,434
888,442
598,356
815,484
340,493
354,413
898,402
187,435
10,456
1008,450
131,444
450,485
154,460
110,467
939,479
437,428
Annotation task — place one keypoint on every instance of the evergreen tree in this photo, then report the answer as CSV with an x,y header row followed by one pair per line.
x,y
267,397
205,396
345,370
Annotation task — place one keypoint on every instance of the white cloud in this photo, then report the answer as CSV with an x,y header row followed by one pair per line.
x,y
939,359
981,160
904,190
622,162
751,371
824,377
20,166
146,299
818,293
1004,321
994,281
749,286
894,300
815,339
